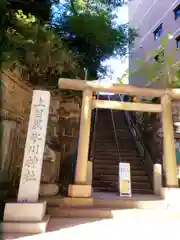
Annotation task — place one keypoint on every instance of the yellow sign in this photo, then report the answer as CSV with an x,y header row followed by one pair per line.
x,y
124,186
124,179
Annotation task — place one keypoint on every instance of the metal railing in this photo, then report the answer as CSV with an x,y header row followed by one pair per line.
x,y
93,134
139,143
114,128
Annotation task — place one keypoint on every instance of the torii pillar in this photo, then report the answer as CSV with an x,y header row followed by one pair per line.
x,y
80,188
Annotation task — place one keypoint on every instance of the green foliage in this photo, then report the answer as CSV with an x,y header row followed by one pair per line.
x,y
82,35
41,9
4,20
123,78
94,6
89,31
160,65
36,50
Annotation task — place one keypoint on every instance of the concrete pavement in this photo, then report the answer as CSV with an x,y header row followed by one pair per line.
x,y
129,225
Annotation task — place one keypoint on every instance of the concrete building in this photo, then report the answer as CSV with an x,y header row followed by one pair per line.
x,y
152,18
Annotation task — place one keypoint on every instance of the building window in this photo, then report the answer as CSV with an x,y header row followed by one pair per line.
x,y
177,12
178,42
158,32
159,57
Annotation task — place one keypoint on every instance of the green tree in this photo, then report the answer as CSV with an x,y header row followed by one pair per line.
x,y
88,28
82,35
36,51
40,8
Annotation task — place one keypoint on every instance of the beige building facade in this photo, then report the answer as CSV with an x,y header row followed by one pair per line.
x,y
153,18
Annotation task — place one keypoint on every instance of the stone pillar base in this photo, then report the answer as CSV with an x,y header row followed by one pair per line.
x,y
48,190
157,179
172,197
25,218
81,191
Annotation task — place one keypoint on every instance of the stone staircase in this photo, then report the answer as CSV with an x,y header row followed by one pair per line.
x,y
106,157
101,205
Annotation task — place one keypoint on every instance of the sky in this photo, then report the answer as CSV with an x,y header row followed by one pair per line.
x,y
116,65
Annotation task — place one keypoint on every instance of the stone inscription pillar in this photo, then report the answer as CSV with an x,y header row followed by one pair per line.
x,y
34,148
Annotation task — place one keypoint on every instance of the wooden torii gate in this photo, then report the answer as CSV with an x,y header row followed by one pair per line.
x,y
80,188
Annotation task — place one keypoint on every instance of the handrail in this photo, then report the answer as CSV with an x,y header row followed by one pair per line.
x,y
94,134
114,128
147,158
131,123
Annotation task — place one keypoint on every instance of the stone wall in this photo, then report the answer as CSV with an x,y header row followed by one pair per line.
x,y
62,129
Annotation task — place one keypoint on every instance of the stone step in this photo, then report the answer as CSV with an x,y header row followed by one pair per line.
x,y
123,129
100,139
116,189
123,156
114,149
103,133
101,164
102,200
105,140
119,133
26,227
102,160
124,141
129,153
106,151
143,191
115,167
114,144
116,177
107,160
136,167
141,185
127,138
134,185
80,212
126,158
149,201
114,171
106,184
110,132
103,209
102,145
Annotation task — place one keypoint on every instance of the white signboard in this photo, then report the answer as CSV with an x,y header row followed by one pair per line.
x,y
34,148
124,179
